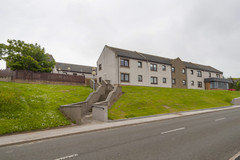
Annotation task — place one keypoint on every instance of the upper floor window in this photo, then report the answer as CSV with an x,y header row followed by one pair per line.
x,y
164,80
153,67
192,72
124,63
124,77
163,67
199,73
199,84
154,80
184,82
218,75
139,78
100,67
173,69
139,64
75,74
210,75
183,70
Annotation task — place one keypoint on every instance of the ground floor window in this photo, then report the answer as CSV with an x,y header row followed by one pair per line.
x,y
219,85
154,80
124,77
139,78
184,82
199,84
173,81
164,80
192,83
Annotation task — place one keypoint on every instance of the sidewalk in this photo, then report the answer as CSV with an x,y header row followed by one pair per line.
x,y
40,135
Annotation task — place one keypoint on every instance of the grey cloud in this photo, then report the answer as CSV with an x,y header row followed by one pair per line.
x,y
205,32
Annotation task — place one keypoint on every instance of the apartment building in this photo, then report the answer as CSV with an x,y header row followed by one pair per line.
x,y
73,69
124,67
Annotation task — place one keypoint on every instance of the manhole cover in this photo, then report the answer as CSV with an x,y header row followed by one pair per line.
x,y
238,158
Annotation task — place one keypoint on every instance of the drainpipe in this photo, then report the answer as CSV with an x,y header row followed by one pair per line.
x,y
118,71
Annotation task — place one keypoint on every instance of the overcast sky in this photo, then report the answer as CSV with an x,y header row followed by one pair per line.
x,y
75,31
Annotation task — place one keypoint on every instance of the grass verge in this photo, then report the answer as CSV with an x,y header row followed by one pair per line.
x,y
25,107
142,101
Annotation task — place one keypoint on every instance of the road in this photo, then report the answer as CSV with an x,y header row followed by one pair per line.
x,y
211,136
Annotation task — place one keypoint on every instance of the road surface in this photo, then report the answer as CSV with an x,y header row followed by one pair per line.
x,y
210,136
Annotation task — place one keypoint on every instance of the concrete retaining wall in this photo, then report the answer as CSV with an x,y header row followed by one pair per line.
x,y
84,107
100,112
236,101
100,109
73,113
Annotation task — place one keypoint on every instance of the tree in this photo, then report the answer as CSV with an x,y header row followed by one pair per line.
x,y
23,56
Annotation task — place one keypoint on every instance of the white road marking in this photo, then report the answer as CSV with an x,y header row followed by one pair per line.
x,y
235,156
220,119
71,156
174,130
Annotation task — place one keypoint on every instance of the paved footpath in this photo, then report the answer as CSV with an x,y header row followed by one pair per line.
x,y
46,134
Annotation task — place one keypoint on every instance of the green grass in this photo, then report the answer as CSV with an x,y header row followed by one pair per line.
x,y
25,107
143,101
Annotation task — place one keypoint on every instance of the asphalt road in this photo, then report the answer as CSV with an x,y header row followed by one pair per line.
x,y
211,136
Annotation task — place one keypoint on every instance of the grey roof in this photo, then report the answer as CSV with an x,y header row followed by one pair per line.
x,y
140,56
218,80
157,59
201,67
74,67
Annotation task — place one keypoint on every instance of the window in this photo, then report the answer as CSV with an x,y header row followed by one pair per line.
x,y
199,73
192,83
100,67
139,64
218,76
210,75
153,67
75,74
173,81
154,80
199,84
183,71
124,77
192,72
139,78
164,80
173,69
184,82
124,63
163,67
100,79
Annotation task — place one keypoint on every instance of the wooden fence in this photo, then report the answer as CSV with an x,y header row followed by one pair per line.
x,y
38,76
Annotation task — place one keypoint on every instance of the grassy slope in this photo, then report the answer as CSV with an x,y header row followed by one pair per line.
x,y
142,101
26,107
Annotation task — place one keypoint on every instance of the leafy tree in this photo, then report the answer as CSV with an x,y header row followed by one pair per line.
x,y
23,56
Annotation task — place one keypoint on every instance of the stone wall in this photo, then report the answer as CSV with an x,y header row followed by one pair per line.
x,y
178,75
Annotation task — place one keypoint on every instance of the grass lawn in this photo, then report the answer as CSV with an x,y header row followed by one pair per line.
x,y
143,101
25,107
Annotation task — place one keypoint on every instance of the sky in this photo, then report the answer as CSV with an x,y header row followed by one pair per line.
x,y
76,31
